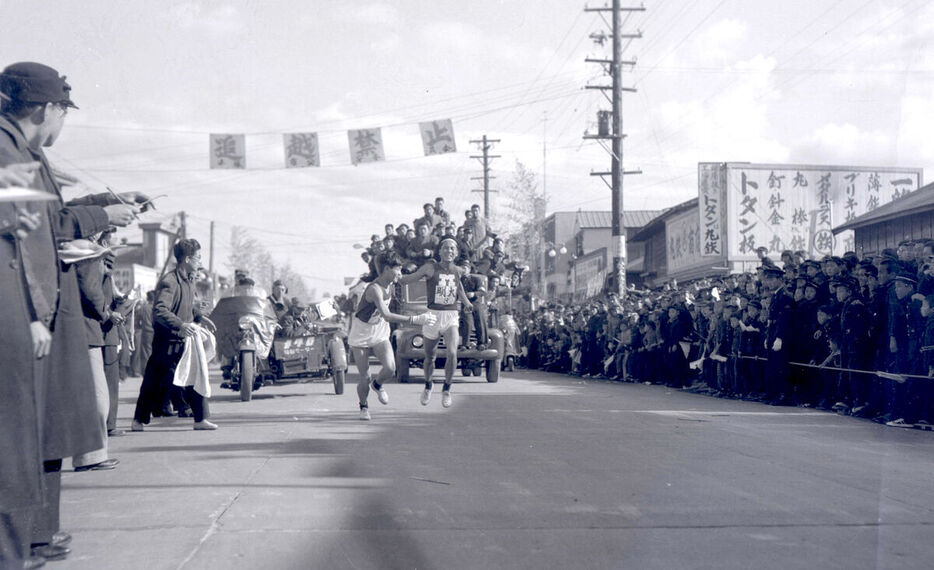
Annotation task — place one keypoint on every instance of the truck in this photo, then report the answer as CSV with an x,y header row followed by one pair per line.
x,y
409,342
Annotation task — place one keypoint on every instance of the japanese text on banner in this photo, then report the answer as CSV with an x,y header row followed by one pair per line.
x,y
366,145
228,151
438,137
301,150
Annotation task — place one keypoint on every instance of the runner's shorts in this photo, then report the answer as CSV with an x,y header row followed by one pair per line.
x,y
368,335
446,320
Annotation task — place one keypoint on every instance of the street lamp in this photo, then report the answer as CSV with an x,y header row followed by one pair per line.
x,y
553,253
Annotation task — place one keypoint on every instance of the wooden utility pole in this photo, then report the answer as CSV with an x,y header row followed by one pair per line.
x,y
613,67
485,146
211,265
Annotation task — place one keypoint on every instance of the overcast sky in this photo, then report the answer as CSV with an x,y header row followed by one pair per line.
x,y
845,82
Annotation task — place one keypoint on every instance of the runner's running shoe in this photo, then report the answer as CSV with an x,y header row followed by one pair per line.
x,y
382,393
364,414
426,397
446,399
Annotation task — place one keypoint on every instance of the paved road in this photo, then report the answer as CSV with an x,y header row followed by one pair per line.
x,y
537,471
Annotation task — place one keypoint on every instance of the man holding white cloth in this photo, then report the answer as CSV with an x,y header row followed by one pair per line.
x,y
173,319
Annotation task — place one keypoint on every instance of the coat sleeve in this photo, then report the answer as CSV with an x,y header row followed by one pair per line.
x,y
90,283
162,313
76,222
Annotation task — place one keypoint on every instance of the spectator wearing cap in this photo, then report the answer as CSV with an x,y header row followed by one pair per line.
x,y
778,338
802,346
473,325
97,310
750,334
112,329
402,239
35,102
854,346
280,303
905,328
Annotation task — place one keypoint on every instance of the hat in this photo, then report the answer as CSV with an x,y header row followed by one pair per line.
x,y
30,82
810,263
906,279
848,282
889,253
835,259
812,284
772,271
277,283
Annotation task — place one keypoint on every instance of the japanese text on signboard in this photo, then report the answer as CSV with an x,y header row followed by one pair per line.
x,y
796,208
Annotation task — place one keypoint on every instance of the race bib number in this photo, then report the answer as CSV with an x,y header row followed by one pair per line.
x,y
446,290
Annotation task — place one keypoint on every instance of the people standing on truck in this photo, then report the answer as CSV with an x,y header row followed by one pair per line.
x,y
445,296
370,331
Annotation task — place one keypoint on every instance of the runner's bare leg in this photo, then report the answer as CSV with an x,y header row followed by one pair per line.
x,y
361,357
383,353
429,365
450,355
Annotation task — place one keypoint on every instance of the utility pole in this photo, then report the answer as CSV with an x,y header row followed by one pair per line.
x,y
613,68
485,146
211,265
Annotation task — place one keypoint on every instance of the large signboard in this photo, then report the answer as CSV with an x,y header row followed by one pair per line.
x,y
683,250
711,193
792,207
135,277
590,274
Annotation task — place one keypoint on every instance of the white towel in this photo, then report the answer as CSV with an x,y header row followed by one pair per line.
x,y
192,369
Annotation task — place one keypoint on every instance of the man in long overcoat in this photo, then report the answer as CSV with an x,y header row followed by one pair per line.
x,y
35,102
21,344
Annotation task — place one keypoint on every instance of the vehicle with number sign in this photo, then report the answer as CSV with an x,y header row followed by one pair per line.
x,y
409,342
255,351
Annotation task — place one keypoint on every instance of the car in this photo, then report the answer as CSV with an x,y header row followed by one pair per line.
x,y
255,351
409,342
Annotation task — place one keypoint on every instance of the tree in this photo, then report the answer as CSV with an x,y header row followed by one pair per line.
x,y
249,254
522,217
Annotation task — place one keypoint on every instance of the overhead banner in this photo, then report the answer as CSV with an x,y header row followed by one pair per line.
x,y
366,145
228,151
711,193
301,150
781,207
438,137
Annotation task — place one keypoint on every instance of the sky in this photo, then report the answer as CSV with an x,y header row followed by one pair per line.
x,y
836,82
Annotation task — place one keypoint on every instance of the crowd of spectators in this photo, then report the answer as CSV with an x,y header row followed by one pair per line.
x,y
849,334
479,248
482,255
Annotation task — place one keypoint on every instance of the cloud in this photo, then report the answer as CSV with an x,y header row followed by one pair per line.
x,y
223,18
377,14
720,41
846,143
